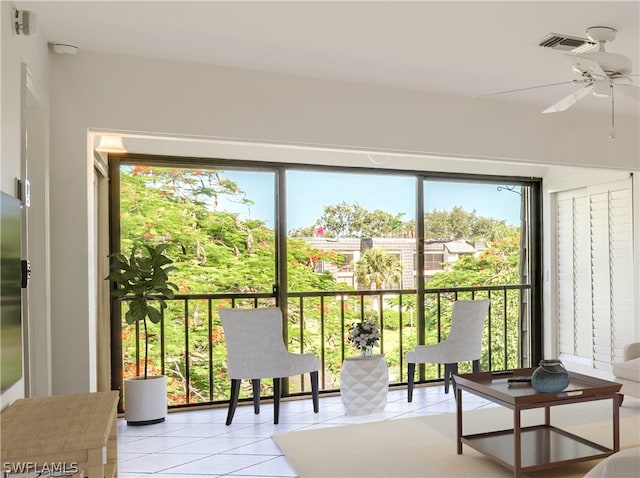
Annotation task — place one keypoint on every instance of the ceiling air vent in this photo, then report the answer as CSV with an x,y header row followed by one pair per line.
x,y
566,43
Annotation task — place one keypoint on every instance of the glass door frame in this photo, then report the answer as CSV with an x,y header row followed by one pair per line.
x,y
531,223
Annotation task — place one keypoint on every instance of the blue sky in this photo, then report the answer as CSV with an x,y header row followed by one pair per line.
x,y
308,193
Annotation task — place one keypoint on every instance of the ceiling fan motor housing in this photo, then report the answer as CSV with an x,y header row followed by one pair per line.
x,y
611,63
598,33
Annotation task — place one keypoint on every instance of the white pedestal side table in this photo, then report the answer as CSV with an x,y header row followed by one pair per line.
x,y
364,383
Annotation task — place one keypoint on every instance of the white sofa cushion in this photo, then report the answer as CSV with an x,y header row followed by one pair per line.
x,y
629,370
623,464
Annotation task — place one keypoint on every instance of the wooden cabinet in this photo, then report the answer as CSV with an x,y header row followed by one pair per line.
x,y
75,432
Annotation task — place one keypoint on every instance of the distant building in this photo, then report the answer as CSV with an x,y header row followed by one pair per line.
x,y
439,253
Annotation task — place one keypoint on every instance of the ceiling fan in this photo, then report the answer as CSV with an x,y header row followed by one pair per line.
x,y
599,72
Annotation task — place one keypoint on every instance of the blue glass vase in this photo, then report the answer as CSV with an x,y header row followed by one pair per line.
x,y
550,376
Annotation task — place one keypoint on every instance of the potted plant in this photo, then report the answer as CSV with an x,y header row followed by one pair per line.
x,y
364,335
142,279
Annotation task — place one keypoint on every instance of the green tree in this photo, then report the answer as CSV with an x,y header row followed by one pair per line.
x,y
308,231
453,224
353,220
342,220
461,224
497,265
202,187
491,229
376,267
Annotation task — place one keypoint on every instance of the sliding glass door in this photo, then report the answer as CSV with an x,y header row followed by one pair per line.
x,y
331,247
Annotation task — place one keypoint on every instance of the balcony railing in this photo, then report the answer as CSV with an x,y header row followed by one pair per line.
x,y
188,344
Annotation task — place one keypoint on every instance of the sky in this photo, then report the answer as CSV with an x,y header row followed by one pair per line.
x,y
308,192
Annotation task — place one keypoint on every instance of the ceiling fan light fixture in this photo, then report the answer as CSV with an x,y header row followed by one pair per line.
x,y
601,88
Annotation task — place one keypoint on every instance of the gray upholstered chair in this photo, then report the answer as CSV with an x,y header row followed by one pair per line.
x,y
463,343
256,350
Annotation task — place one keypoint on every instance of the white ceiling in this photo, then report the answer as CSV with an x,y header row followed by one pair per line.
x,y
454,47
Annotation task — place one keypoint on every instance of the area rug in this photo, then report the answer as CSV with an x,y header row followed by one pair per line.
x,y
426,446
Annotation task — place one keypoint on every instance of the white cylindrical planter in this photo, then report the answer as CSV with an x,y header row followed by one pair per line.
x,y
145,400
364,383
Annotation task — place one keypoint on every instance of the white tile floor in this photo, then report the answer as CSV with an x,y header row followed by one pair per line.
x,y
197,443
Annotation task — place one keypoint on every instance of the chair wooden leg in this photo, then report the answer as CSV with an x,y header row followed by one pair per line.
x,y
454,371
233,399
446,377
411,370
276,400
255,385
314,391
450,369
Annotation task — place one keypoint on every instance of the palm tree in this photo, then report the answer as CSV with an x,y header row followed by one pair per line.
x,y
376,267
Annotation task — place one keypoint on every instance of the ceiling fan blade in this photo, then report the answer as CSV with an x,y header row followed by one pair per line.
x,y
632,91
577,82
569,101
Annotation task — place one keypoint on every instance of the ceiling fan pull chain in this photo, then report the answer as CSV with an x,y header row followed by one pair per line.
x,y
612,133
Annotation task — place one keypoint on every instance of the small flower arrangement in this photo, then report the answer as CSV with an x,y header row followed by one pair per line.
x,y
364,335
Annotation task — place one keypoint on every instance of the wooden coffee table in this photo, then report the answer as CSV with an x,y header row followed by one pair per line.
x,y
543,446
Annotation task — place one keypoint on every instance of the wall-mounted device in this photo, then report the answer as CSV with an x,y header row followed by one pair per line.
x,y
24,22
26,273
23,191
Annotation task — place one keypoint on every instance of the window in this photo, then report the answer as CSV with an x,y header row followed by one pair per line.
x,y
594,273
433,261
224,221
349,259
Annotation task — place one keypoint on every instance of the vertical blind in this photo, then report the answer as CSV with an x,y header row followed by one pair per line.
x,y
594,252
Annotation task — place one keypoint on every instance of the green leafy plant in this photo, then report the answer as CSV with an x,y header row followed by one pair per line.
x,y
143,280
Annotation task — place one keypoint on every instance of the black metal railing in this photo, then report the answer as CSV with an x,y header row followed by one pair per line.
x,y
188,344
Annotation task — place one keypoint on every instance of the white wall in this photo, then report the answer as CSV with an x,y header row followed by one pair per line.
x,y
128,93
99,91
16,52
